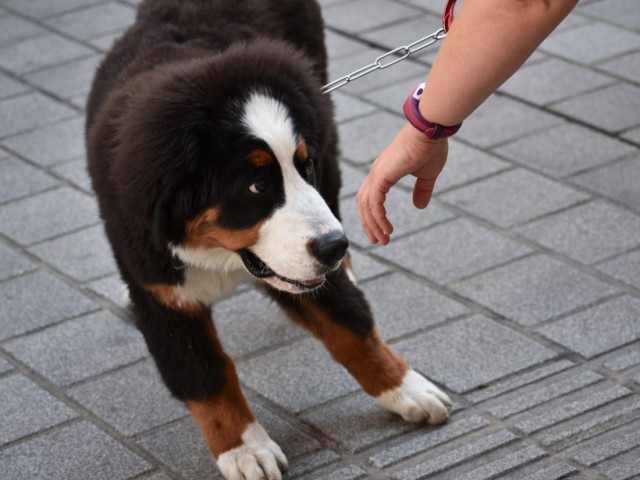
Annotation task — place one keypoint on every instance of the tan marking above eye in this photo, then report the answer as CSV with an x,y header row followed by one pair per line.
x,y
260,158
204,232
301,153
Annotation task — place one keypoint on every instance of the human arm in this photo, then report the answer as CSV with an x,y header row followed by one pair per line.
x,y
487,42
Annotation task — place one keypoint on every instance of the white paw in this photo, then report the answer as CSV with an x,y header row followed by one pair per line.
x,y
417,400
258,458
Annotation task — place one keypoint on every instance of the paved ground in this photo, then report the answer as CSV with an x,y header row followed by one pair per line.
x,y
517,291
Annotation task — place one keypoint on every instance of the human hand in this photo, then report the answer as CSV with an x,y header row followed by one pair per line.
x,y
410,152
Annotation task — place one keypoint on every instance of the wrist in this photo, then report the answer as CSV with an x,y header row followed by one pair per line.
x,y
413,111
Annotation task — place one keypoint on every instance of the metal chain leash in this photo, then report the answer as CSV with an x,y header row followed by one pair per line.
x,y
402,53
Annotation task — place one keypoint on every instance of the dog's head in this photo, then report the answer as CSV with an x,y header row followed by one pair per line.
x,y
225,153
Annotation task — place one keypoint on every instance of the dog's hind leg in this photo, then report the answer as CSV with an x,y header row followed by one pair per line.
x,y
339,316
185,346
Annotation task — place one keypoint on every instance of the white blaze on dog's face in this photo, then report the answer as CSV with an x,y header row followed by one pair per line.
x,y
288,239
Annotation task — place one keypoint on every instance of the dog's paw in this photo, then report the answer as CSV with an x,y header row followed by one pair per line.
x,y
258,458
417,400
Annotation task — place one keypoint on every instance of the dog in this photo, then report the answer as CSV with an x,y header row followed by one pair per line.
x,y
213,154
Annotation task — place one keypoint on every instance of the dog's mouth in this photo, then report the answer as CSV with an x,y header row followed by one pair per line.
x,y
260,269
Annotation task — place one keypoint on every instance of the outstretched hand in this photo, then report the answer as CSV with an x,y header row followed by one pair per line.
x,y
410,152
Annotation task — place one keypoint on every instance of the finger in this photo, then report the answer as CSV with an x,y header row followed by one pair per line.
x,y
374,228
361,204
379,212
422,192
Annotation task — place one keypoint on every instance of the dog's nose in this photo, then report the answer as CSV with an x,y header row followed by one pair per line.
x,y
329,248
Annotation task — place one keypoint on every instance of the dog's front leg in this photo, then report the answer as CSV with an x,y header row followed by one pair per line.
x,y
339,316
194,366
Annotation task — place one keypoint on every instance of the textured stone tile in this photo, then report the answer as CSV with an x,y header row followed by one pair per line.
x,y
407,32
82,255
46,8
591,43
500,120
357,422
299,376
598,329
513,197
466,164
51,144
618,181
50,214
348,107
627,66
40,52
13,29
364,138
10,87
450,458
545,469
457,249
352,178
350,472
402,214
468,353
632,135
76,173
617,107
362,15
5,366
365,267
565,149
112,288
401,305
587,233
426,438
615,11
533,289
552,80
80,348
69,79
341,46
25,409
93,21
77,452
251,321
30,111
621,467
36,300
300,466
133,399
12,263
622,359
393,96
18,179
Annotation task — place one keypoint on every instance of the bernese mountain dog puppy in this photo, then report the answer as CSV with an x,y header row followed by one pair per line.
x,y
213,155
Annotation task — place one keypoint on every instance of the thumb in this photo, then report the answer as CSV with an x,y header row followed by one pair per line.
x,y
422,192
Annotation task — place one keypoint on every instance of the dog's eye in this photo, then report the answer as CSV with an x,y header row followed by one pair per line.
x,y
260,185
309,171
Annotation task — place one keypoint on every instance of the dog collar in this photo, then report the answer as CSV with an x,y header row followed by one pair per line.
x,y
430,129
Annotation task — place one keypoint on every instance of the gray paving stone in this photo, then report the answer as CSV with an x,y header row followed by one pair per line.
x,y
339,45
361,15
30,111
622,359
591,43
407,32
403,215
513,197
632,135
77,452
18,179
618,181
606,445
105,42
80,348
364,138
250,321
469,353
621,467
401,305
25,409
133,399
448,459
564,150
350,472
41,52
36,300
50,214
500,120
352,178
67,80
83,255
46,8
425,439
533,289
365,267
615,11
94,21
552,80
466,164
300,466
627,66
357,422
5,366
13,29
587,233
564,408
393,96
545,469
598,329
76,173
12,263
112,288
298,376
457,249
617,106
348,107
10,87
